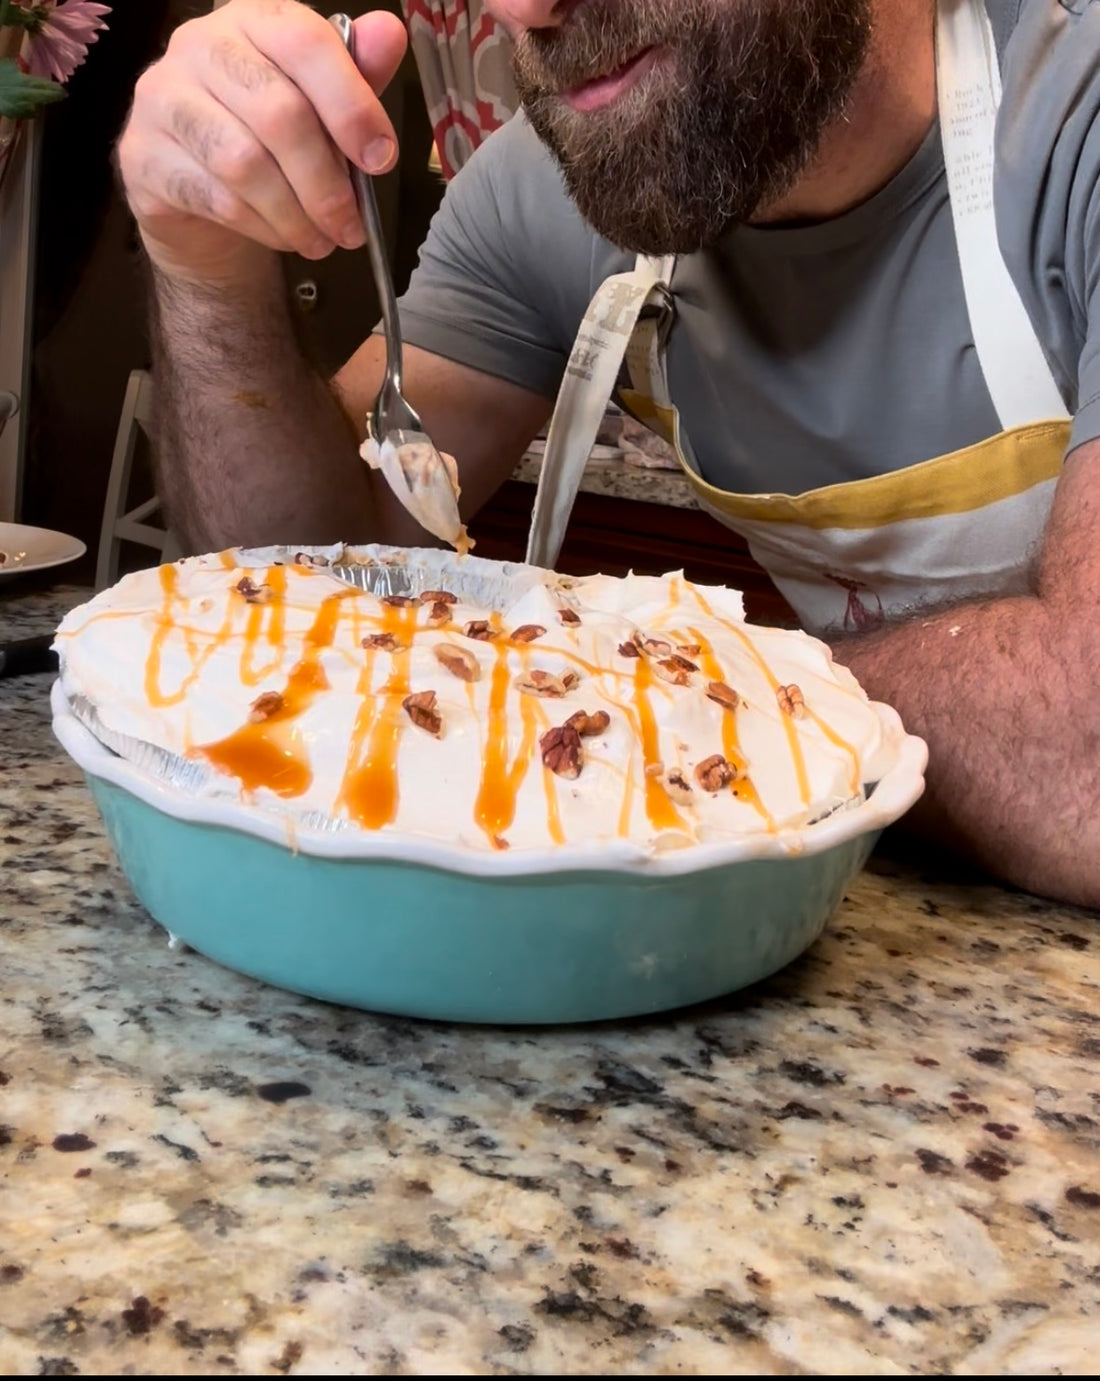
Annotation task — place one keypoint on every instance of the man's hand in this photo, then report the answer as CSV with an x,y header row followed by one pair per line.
x,y
1005,693
238,137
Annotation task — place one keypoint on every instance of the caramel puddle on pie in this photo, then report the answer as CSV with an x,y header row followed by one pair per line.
x,y
370,792
263,755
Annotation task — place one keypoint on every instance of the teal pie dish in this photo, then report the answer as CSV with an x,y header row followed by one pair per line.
x,y
426,930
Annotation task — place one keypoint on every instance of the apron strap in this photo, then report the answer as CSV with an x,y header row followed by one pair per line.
x,y
968,82
590,378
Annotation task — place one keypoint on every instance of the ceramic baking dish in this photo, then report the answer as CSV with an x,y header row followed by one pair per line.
x,y
430,929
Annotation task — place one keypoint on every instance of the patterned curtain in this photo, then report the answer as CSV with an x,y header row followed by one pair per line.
x,y
464,62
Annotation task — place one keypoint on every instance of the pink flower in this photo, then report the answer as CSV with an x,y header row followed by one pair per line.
x,y
58,47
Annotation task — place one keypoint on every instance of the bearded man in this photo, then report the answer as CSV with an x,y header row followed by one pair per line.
x,y
866,312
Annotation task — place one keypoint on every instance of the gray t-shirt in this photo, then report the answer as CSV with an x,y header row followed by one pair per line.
x,y
809,355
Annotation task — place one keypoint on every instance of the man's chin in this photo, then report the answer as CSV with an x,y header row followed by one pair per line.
x,y
631,213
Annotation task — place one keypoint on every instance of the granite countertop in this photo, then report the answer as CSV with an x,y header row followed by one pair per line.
x,y
611,474
886,1159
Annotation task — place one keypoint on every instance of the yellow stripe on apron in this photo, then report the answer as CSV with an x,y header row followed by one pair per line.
x,y
850,555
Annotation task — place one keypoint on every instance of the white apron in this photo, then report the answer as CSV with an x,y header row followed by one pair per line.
x,y
849,555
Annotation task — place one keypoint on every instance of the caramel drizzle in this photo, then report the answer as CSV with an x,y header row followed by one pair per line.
x,y
842,743
554,826
797,756
370,791
269,754
153,693
743,788
495,806
662,814
166,624
273,615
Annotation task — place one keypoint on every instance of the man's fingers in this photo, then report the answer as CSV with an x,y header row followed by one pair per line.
x,y
380,43
302,167
247,124
312,54
238,158
188,188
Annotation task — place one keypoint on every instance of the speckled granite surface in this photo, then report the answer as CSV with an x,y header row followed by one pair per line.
x,y
884,1160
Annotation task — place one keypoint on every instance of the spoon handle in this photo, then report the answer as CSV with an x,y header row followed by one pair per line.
x,y
376,245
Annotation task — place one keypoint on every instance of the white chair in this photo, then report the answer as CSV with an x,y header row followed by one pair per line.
x,y
119,525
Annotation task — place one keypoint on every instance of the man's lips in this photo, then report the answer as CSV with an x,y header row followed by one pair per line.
x,y
601,91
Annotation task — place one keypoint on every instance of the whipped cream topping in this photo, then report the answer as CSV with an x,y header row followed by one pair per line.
x,y
554,712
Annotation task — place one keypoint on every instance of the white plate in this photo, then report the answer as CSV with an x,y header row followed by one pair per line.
x,y
35,548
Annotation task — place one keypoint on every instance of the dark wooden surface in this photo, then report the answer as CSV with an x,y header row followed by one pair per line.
x,y
614,536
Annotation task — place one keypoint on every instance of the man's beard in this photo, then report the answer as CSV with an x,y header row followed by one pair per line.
x,y
720,126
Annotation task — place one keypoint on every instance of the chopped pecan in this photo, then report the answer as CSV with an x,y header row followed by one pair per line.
x,y
655,769
723,695
437,597
385,641
397,601
629,649
528,632
420,707
479,629
459,661
676,670
791,701
569,617
676,787
588,725
264,706
544,683
253,593
656,647
714,773
439,613
689,649
499,842
562,752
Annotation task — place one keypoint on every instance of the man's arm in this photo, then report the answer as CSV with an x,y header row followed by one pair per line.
x,y
254,447
234,152
1005,692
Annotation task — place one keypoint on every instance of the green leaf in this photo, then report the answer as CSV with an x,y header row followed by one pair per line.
x,y
21,94
14,16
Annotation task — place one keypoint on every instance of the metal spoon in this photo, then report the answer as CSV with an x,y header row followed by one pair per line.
x,y
397,444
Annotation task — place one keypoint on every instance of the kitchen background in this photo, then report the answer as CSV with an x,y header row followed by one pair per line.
x,y
86,328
